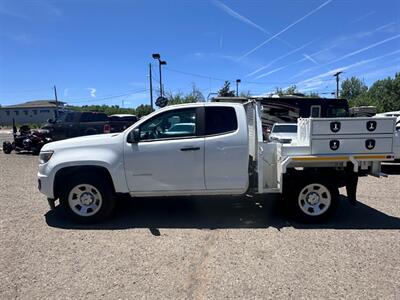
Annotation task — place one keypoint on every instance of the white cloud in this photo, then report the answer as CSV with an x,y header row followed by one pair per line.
x,y
92,92
238,16
48,7
387,27
270,72
310,58
286,28
277,59
319,79
366,48
363,17
4,11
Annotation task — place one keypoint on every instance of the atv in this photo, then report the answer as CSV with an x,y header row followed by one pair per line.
x,y
27,140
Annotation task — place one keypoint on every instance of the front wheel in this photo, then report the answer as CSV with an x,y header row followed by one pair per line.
x,y
88,198
7,147
312,200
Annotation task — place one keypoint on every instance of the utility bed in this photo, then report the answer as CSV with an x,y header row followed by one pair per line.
x,y
335,143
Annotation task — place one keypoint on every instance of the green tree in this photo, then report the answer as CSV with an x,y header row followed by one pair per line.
x,y
225,91
385,94
352,88
245,94
179,98
108,109
313,95
143,110
291,90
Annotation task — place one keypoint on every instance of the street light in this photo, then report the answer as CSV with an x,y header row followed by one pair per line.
x,y
237,87
160,63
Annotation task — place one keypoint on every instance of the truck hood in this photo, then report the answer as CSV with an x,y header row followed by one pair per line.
x,y
97,140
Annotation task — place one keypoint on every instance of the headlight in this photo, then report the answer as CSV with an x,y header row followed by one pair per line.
x,y
45,156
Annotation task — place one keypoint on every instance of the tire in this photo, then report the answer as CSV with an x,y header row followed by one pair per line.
x,y
312,199
7,147
88,198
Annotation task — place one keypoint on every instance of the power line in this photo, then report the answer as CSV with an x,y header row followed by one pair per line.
x,y
243,81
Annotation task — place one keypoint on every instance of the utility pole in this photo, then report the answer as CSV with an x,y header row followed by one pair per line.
x,y
337,82
151,87
55,96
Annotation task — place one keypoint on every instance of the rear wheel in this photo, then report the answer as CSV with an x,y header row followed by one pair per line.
x,y
88,198
312,200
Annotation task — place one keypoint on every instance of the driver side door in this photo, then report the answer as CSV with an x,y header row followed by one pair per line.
x,y
169,157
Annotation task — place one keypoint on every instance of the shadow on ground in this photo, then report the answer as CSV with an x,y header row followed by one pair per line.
x,y
391,169
223,212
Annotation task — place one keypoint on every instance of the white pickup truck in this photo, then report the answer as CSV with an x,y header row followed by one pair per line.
x,y
214,149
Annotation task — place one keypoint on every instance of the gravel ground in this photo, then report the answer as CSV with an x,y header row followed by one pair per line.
x,y
197,248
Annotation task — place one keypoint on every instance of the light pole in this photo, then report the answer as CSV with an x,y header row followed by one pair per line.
x,y
237,87
160,63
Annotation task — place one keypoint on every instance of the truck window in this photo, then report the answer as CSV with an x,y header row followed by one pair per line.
x,y
337,112
278,128
220,120
93,117
315,111
178,123
69,117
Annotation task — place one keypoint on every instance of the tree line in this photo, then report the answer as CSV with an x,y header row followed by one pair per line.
x,y
384,94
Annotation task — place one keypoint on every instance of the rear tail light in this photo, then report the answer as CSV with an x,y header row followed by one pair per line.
x,y
107,128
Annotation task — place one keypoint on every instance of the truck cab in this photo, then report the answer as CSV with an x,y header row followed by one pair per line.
x,y
189,150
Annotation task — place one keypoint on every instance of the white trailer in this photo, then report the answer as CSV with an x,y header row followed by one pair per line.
x,y
219,151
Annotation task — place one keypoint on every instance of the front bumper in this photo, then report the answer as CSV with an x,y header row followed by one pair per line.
x,y
45,185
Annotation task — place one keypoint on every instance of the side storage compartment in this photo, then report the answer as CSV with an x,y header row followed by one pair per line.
x,y
348,135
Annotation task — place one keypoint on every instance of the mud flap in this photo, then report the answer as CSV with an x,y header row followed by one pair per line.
x,y
351,185
51,202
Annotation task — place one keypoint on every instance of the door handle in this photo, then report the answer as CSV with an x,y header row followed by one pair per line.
x,y
190,149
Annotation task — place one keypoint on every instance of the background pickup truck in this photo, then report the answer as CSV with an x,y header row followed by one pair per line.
x,y
74,124
214,149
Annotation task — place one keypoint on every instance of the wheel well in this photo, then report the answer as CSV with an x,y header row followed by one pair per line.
x,y
336,177
62,175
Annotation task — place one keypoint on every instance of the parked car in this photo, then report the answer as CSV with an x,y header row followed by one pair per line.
x,y
74,124
396,139
224,155
120,122
284,133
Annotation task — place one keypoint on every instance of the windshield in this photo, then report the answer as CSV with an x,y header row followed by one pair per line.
x,y
284,128
337,112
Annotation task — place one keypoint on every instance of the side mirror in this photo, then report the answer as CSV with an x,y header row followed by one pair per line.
x,y
134,136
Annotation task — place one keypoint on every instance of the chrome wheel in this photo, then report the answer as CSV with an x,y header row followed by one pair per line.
x,y
85,200
314,199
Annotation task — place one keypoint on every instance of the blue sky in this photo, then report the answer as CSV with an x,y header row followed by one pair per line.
x,y
97,52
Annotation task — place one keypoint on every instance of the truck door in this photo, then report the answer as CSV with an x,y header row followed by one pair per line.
x,y
169,155
226,148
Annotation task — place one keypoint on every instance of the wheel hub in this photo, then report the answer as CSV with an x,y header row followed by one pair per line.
x,y
312,198
86,198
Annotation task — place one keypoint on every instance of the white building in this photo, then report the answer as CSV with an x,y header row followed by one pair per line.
x,y
31,112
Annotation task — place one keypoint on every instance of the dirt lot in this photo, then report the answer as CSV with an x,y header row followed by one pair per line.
x,y
197,248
